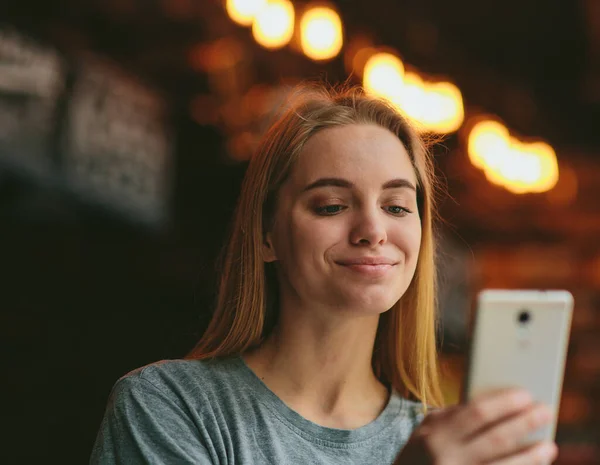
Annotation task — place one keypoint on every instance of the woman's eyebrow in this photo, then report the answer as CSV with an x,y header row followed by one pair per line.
x,y
398,183
324,182
340,182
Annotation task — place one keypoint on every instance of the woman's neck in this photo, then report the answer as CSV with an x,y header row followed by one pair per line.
x,y
322,369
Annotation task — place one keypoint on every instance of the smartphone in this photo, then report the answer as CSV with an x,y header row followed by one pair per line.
x,y
520,339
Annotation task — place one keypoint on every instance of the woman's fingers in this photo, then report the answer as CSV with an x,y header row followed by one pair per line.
x,y
488,430
542,453
506,437
487,409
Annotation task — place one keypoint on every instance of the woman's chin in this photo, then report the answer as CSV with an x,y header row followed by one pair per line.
x,y
371,303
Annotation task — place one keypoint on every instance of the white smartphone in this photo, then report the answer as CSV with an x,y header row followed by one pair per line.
x,y
520,339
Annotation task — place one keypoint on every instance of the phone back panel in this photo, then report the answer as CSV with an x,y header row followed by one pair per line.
x,y
509,352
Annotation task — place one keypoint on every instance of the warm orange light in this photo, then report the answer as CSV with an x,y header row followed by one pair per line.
x,y
518,169
321,33
488,141
273,26
383,75
547,166
411,96
243,12
518,166
433,107
443,108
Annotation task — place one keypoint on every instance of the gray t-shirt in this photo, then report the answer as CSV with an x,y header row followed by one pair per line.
x,y
220,412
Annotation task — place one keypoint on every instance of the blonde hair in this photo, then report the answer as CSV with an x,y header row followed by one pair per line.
x,y
405,353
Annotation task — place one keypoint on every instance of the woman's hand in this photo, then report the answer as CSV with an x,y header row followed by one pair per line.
x,y
487,430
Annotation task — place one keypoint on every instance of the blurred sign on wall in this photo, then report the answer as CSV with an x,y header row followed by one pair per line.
x,y
85,127
32,82
117,147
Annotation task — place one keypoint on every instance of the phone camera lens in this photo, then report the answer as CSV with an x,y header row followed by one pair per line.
x,y
524,317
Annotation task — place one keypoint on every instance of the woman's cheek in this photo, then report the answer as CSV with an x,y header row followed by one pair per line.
x,y
310,235
408,240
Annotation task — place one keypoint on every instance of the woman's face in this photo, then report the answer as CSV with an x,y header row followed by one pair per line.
x,y
347,230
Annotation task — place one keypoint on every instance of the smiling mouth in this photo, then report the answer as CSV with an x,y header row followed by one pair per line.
x,y
374,270
368,261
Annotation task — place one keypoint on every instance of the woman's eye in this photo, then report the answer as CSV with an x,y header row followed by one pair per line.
x,y
329,210
397,210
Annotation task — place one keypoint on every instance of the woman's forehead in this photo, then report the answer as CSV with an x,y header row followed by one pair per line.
x,y
359,153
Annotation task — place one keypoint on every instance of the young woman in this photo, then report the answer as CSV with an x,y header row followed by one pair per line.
x,y
322,345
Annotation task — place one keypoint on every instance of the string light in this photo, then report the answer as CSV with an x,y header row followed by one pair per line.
x,y
518,166
273,25
384,75
243,12
432,106
321,33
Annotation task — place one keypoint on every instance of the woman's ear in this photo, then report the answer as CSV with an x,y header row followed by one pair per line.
x,y
269,254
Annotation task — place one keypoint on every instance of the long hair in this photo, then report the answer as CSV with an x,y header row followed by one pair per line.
x,y
405,353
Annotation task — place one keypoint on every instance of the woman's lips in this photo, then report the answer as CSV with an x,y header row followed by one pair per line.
x,y
379,260
370,270
369,266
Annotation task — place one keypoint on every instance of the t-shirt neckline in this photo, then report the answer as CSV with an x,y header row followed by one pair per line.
x,y
313,431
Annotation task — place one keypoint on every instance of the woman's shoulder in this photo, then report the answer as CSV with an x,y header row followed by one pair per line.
x,y
183,369
158,410
180,379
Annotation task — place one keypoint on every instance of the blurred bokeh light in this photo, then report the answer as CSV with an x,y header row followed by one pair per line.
x,y
432,107
321,33
384,75
273,25
518,166
243,12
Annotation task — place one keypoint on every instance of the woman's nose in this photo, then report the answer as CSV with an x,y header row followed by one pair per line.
x,y
369,229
